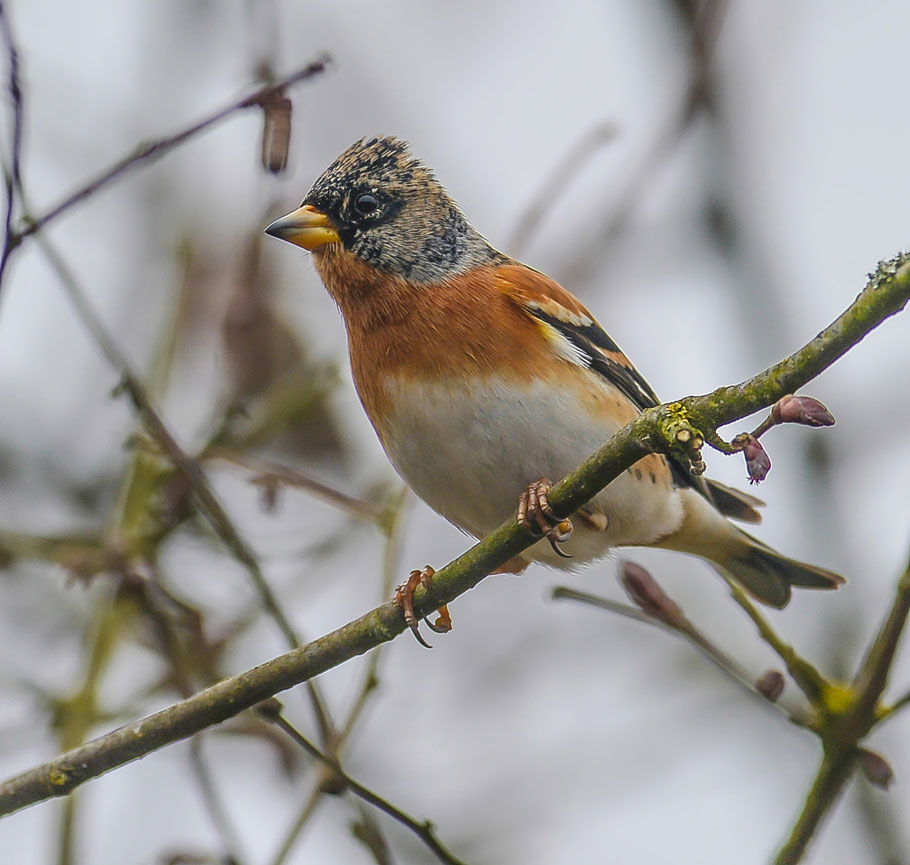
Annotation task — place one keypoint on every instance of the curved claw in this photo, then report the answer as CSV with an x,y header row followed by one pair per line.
x,y
404,598
554,543
538,519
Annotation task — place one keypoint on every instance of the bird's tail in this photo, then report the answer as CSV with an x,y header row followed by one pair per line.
x,y
769,576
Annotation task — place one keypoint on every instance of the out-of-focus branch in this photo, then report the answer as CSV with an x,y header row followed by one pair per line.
x,y
13,170
810,681
850,717
669,427
369,683
154,150
684,628
271,709
559,178
267,472
133,386
705,28
189,468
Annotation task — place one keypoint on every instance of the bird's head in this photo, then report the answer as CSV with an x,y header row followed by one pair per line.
x,y
379,203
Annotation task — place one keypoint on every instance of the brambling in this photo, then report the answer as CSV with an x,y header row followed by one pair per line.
x,y
483,378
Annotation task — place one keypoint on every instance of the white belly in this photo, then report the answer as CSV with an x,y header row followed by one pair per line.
x,y
470,455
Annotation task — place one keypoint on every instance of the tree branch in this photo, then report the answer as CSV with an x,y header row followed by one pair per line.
x,y
849,720
422,829
10,240
154,150
665,428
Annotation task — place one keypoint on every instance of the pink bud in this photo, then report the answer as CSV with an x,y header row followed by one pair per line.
x,y
876,768
801,409
758,463
647,594
771,685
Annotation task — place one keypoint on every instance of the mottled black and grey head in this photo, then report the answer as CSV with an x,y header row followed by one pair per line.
x,y
389,210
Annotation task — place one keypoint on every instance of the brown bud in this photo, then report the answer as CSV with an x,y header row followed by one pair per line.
x,y
771,685
331,782
801,409
876,768
269,487
270,707
276,133
758,463
647,594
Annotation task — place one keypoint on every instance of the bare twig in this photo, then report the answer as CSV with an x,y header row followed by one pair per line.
x,y
422,829
391,559
13,171
133,386
658,428
810,681
696,638
559,178
268,471
188,467
154,150
370,681
705,31
303,818
849,719
213,802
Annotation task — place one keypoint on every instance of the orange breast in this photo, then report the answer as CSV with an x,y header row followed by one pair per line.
x,y
464,328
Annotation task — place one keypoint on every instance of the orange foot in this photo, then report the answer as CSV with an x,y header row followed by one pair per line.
x,y
537,518
404,597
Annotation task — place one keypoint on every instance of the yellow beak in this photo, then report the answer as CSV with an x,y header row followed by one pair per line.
x,y
306,227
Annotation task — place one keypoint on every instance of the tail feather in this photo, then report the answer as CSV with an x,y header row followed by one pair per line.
x,y
734,503
768,575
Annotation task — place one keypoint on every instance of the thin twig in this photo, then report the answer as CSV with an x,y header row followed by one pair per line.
x,y
558,180
810,681
14,170
886,293
848,725
154,150
422,829
269,471
210,505
300,823
696,638
132,385
229,840
635,182
391,559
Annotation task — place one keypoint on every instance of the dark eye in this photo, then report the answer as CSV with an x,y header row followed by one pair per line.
x,y
366,203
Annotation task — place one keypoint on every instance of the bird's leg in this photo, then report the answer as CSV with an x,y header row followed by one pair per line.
x,y
404,598
537,518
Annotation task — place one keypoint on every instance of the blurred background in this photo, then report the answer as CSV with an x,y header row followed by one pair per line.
x,y
713,180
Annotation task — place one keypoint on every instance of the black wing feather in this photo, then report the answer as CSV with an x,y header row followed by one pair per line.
x,y
591,341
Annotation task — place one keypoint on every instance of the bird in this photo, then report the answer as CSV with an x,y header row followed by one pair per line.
x,y
483,379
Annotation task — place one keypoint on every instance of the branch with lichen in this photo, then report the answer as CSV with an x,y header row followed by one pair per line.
x,y
679,427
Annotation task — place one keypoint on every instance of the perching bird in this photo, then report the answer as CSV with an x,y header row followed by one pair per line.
x,y
482,378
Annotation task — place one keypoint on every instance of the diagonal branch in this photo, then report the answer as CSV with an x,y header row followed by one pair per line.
x,y
848,726
659,428
154,150
13,172
272,711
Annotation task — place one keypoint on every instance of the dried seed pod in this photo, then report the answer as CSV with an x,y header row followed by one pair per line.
x,y
276,133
